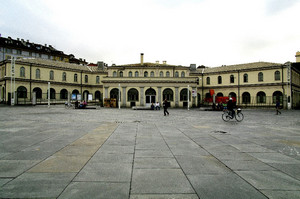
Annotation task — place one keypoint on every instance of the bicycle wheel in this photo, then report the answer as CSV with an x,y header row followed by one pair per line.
x,y
239,117
225,117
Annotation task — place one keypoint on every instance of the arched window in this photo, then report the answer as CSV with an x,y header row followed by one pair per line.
x,y
97,80
114,74
121,73
246,98
260,77
51,75
208,80
176,74
64,76
152,74
182,74
277,96
130,74
220,95
168,94
277,75
133,95
63,94
37,74
86,78
136,74
161,74
261,97
75,78
22,72
22,92
219,80
167,74
183,95
245,78
145,74
231,79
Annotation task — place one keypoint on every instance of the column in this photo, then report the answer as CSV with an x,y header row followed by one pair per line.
x,y
159,95
124,96
176,96
106,92
142,98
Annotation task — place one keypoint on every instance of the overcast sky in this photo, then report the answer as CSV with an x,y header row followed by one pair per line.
x,y
181,32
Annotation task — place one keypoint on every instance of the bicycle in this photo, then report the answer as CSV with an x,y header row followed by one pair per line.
x,y
69,105
237,114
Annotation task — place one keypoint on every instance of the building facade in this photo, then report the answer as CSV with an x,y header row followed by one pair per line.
x,y
252,84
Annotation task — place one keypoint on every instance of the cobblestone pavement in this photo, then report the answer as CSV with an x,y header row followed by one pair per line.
x,y
138,154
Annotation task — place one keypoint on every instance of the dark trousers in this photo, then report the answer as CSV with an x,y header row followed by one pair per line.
x,y
166,111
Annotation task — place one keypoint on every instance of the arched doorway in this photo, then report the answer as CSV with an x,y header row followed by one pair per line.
x,y
21,92
261,97
52,93
38,92
168,94
246,98
114,93
98,96
132,96
277,96
63,94
150,96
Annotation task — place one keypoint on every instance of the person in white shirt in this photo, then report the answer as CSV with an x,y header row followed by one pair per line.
x,y
157,106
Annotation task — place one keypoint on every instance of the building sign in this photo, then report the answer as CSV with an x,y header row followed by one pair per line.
x,y
73,96
194,93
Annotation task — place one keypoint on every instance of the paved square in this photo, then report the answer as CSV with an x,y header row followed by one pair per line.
x,y
141,154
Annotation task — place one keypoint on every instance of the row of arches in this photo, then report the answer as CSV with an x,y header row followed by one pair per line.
x,y
260,78
147,74
62,94
168,93
261,97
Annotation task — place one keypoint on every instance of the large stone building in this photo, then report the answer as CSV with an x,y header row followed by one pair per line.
x,y
140,84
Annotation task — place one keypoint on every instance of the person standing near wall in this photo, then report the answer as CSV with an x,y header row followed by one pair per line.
x,y
277,107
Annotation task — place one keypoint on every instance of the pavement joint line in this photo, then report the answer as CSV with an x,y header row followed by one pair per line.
x,y
180,167
131,177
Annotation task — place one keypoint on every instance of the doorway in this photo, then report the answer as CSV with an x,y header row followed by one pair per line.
x,y
150,96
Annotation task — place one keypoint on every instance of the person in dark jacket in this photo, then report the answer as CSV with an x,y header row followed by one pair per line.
x,y
165,105
277,107
230,107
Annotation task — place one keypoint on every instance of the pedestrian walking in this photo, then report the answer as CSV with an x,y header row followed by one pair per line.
x,y
165,105
277,107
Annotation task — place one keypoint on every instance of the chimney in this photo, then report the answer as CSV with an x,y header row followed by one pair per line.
x,y
157,62
165,62
142,58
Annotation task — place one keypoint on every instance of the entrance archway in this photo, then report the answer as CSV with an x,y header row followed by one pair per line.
x,y
150,96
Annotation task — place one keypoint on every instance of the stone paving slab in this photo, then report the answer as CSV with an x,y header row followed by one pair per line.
x,y
37,185
223,186
110,153
101,190
166,181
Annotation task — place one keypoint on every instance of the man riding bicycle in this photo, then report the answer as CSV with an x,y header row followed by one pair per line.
x,y
230,106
